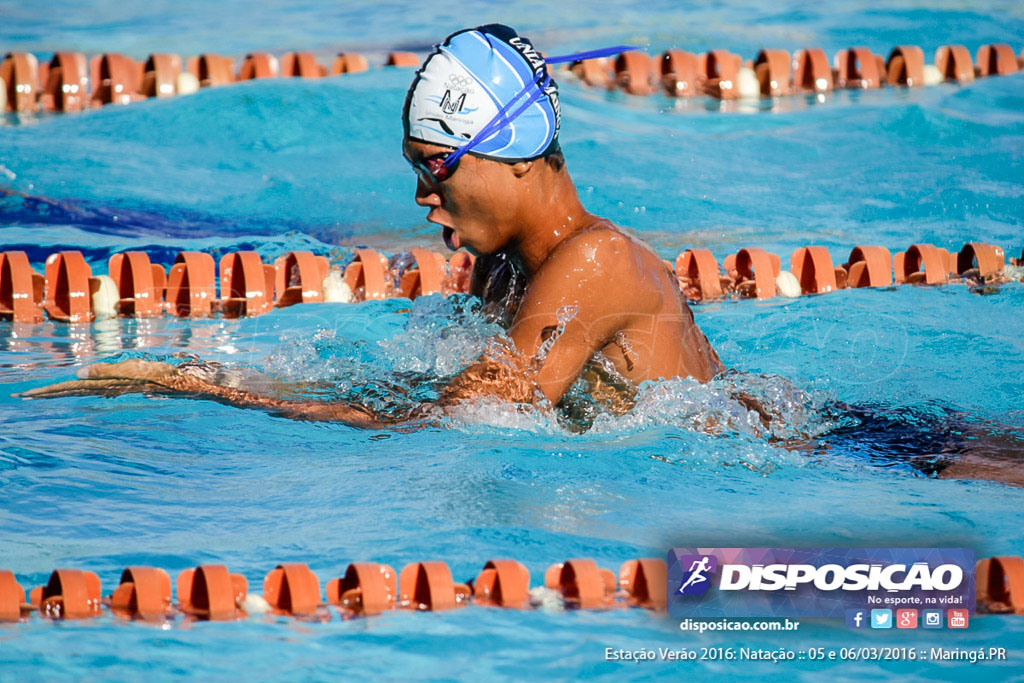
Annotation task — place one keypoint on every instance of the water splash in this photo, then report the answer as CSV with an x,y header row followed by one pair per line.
x,y
563,315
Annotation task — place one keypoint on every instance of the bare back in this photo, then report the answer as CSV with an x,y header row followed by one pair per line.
x,y
601,295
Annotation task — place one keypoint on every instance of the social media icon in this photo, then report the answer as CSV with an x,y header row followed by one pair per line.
x,y
906,618
856,618
881,618
931,618
957,618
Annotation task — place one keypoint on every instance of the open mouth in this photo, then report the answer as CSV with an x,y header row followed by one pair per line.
x,y
451,240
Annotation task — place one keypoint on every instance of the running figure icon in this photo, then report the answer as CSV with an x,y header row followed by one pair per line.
x,y
697,570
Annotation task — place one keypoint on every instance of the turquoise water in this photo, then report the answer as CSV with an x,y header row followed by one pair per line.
x,y
103,483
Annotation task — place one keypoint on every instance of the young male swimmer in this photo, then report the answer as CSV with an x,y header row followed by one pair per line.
x,y
577,295
581,296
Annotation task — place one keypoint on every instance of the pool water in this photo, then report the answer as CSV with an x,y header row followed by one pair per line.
x,y
103,483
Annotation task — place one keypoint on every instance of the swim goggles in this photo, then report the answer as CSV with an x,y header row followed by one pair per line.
x,y
438,168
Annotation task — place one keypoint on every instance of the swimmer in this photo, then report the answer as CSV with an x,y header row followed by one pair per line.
x,y
579,295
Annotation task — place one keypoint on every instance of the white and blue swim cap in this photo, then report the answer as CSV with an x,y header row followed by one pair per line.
x,y
464,84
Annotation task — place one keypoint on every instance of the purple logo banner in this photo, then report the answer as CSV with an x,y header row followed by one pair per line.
x,y
816,582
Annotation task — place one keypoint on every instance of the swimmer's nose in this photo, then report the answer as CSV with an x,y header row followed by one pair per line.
x,y
427,196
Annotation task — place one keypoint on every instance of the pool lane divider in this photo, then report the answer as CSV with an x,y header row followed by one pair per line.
x,y
210,592
68,291
70,81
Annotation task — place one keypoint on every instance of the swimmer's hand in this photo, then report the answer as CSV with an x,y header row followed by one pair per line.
x,y
114,379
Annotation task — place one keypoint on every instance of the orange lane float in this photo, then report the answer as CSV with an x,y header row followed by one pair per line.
x,y
69,594
502,583
460,273
645,582
699,275
869,266
192,285
366,588
116,79
299,277
720,70
20,74
404,60
811,71
246,284
597,72
69,287
67,83
144,593
922,264
293,589
367,275
12,598
428,586
301,65
858,67
211,592
21,289
212,70
582,584
259,65
753,271
634,72
813,267
160,75
1000,584
954,63
679,73
996,59
140,284
349,63
905,66
426,277
772,69
986,259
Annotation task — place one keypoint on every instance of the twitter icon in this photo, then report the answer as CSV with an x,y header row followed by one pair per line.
x,y
881,618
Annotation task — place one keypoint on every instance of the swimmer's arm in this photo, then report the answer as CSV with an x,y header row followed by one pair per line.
x,y
151,377
592,286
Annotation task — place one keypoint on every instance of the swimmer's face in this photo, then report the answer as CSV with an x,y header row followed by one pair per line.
x,y
475,206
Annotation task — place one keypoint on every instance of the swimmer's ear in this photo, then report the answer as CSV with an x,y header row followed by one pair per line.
x,y
521,168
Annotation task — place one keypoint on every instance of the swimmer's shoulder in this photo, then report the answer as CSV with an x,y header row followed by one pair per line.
x,y
598,242
610,250
607,259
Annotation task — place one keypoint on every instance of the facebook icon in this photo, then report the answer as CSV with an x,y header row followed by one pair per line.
x,y
855,618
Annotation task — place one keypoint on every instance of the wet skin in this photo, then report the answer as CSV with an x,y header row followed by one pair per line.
x,y
594,293
592,288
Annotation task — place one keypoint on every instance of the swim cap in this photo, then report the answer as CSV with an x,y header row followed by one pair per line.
x,y
467,80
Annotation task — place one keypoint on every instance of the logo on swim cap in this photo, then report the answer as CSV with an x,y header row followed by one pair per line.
x,y
464,84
